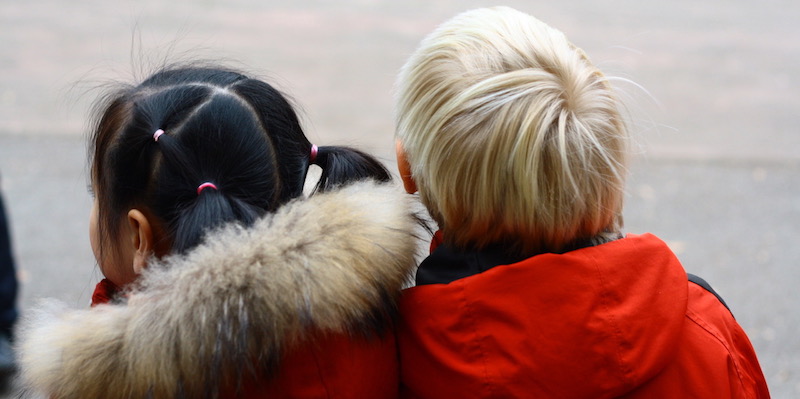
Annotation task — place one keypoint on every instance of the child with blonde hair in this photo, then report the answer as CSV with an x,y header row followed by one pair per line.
x,y
516,145
222,279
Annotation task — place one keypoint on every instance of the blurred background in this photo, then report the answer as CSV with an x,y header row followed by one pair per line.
x,y
715,115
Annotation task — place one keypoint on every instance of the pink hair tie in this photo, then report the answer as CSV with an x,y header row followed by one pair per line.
x,y
204,186
313,156
157,134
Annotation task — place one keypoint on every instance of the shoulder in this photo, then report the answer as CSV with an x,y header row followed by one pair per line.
x,y
720,341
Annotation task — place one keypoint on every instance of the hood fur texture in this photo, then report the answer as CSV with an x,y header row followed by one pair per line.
x,y
334,262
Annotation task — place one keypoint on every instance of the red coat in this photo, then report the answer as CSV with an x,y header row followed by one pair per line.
x,y
335,367
618,320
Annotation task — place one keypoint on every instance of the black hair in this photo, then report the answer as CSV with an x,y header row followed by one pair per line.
x,y
220,126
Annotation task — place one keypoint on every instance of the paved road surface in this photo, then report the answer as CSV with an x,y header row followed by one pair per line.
x,y
717,176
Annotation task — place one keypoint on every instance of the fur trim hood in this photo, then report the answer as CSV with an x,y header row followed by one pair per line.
x,y
332,262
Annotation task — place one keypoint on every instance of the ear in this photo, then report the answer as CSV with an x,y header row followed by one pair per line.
x,y
142,239
404,168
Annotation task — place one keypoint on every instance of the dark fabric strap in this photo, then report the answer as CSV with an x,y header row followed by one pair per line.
x,y
706,286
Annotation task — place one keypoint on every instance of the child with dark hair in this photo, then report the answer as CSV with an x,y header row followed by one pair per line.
x,y
221,278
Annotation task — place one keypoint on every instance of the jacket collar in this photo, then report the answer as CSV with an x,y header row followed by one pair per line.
x,y
448,263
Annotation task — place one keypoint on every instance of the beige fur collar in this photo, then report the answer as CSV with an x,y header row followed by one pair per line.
x,y
335,262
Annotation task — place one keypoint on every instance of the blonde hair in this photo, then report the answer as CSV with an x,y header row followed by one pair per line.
x,y
512,134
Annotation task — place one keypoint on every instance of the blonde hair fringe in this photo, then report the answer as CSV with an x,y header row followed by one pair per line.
x,y
512,134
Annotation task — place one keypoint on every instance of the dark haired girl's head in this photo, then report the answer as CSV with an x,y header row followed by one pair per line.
x,y
219,126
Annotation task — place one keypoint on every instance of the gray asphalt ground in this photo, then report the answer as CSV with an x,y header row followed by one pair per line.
x,y
715,114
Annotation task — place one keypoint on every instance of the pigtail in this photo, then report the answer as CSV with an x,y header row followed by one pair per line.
x,y
196,202
211,209
342,165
